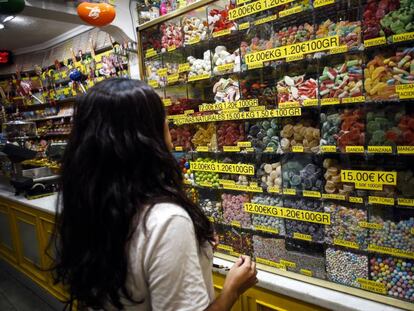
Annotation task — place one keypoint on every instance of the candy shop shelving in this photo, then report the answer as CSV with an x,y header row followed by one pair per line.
x,y
294,130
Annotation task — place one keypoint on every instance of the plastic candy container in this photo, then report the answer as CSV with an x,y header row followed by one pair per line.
x,y
233,209
341,81
345,225
386,70
229,133
388,17
395,273
264,135
171,36
205,136
343,127
275,223
301,229
298,84
345,267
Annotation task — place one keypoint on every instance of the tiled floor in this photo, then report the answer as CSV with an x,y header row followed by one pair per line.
x,y
16,296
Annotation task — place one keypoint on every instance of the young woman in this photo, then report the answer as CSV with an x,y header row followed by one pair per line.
x,y
128,237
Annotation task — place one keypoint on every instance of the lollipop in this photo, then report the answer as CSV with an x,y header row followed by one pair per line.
x,y
76,76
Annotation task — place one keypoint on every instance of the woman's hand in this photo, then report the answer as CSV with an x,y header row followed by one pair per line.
x,y
215,242
241,276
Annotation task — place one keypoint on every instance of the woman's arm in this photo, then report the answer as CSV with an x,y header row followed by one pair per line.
x,y
241,277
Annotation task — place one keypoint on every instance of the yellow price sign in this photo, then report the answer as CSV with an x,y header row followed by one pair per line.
x,y
407,36
319,3
301,236
344,243
255,7
265,20
294,10
405,91
289,213
240,169
312,46
372,286
375,42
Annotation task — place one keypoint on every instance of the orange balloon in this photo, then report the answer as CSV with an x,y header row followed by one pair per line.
x,y
96,14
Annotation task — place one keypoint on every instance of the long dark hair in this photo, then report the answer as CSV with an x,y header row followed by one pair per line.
x,y
115,164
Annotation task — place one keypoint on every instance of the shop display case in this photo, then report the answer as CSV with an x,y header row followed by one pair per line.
x,y
295,129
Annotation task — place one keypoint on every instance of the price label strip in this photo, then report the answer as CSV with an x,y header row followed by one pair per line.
x,y
266,229
255,7
405,91
372,286
405,149
407,36
288,213
391,251
344,243
270,263
294,10
242,115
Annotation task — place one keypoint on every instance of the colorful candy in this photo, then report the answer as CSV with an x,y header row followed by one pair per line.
x,y
296,89
218,20
346,267
345,224
264,134
270,175
393,234
172,36
229,133
269,248
382,74
342,81
349,32
226,90
268,221
233,209
194,28
396,274
205,136
343,128
301,134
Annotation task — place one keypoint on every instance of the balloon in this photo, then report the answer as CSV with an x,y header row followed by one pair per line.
x,y
75,75
11,7
26,87
96,14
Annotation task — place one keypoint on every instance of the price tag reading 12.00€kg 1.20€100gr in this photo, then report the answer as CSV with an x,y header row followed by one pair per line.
x,y
302,48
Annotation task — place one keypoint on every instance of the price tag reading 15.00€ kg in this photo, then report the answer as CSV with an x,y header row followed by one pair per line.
x,y
370,180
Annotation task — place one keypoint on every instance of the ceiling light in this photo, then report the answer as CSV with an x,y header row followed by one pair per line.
x,y
8,19
1,26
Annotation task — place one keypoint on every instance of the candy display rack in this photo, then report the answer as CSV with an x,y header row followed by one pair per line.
x,y
296,123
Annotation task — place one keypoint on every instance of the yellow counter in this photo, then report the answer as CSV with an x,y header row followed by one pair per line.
x,y
26,226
